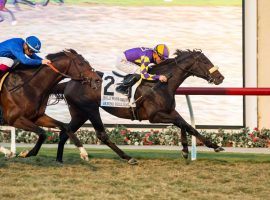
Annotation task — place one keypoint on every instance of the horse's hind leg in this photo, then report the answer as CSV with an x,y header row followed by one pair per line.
x,y
28,125
96,121
102,135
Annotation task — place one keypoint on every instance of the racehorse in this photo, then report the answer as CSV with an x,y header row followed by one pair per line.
x,y
155,101
25,94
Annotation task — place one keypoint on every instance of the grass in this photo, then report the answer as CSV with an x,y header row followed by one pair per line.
x,y
159,175
160,2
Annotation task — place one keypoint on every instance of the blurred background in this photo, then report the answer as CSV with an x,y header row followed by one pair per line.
x,y
100,30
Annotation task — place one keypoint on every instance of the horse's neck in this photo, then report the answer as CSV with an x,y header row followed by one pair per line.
x,y
178,77
45,78
177,80
51,78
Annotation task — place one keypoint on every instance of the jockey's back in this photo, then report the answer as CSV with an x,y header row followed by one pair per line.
x,y
135,55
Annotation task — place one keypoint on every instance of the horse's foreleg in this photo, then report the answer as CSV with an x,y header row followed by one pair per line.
x,y
180,122
177,120
68,131
60,150
162,117
28,125
184,143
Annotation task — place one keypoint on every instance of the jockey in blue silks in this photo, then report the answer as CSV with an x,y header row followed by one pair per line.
x,y
21,50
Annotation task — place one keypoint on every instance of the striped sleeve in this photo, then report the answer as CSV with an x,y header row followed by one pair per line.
x,y
145,61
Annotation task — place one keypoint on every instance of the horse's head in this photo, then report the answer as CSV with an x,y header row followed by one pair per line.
x,y
72,65
201,66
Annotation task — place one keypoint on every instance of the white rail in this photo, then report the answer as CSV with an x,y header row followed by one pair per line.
x,y
12,138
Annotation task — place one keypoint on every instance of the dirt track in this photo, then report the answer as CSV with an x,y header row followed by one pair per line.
x,y
99,33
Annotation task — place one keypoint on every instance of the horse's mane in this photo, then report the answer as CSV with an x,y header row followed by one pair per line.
x,y
180,56
52,56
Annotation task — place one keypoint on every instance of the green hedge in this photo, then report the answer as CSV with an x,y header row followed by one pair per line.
x,y
169,136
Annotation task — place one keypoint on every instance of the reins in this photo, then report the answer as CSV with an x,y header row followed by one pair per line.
x,y
52,67
57,71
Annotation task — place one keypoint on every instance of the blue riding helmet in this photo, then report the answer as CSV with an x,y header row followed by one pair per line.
x,y
34,43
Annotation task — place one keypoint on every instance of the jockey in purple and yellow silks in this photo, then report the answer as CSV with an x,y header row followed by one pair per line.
x,y
129,61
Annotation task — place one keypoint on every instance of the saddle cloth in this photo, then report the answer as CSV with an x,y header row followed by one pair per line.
x,y
110,97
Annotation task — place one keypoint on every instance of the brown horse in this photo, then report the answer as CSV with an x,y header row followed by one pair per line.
x,y
156,101
25,94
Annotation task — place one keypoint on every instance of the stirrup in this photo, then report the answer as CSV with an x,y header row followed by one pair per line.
x,y
121,90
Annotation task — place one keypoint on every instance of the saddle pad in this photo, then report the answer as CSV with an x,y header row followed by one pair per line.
x,y
110,97
3,78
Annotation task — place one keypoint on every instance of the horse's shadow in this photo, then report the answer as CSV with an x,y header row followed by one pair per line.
x,y
44,161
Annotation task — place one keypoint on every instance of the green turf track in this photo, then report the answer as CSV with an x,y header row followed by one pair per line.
x,y
73,154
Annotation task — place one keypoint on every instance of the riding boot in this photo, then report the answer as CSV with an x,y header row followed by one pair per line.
x,y
123,89
127,83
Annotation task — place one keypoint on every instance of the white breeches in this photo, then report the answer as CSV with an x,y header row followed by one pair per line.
x,y
125,66
6,61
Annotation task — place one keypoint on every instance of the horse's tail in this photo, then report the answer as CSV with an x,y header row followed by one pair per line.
x,y
57,93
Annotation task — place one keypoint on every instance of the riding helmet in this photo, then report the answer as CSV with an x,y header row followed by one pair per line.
x,y
34,43
162,50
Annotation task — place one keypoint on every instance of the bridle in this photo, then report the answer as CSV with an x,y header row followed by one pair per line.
x,y
84,79
207,76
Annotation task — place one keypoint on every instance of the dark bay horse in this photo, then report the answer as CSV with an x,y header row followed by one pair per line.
x,y
156,101
25,94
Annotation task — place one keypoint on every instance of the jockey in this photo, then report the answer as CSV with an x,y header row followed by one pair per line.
x,y
22,51
4,9
47,2
129,61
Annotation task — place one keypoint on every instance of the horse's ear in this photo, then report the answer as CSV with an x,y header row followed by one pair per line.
x,y
71,51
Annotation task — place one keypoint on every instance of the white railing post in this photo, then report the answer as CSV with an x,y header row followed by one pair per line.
x,y
13,140
12,137
193,140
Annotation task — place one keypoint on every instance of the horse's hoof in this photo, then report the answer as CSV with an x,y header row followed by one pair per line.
x,y
59,161
219,149
10,154
132,161
184,154
23,154
84,157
